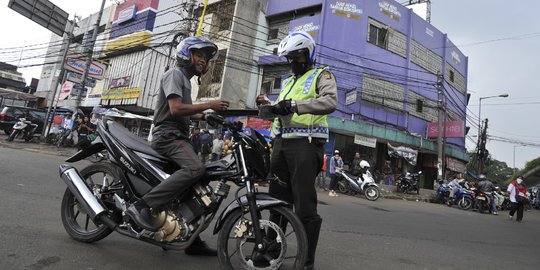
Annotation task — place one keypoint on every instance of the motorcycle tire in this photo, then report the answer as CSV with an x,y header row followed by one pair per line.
x,y
480,206
465,204
90,231
342,187
372,193
7,131
236,241
400,189
13,135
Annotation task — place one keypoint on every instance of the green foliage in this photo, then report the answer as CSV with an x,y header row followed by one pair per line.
x,y
530,165
496,171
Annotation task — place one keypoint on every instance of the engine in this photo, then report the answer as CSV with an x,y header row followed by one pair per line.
x,y
178,222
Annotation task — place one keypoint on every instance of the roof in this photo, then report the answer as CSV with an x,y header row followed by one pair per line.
x,y
12,94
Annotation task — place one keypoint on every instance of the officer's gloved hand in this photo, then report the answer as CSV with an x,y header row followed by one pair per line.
x,y
283,107
214,120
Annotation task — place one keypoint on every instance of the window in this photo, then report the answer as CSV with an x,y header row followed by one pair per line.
x,y
277,84
419,105
451,76
273,34
377,36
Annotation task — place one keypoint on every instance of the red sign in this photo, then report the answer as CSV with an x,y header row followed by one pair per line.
x,y
453,129
258,123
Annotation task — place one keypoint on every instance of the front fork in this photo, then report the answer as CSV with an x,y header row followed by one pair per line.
x,y
255,216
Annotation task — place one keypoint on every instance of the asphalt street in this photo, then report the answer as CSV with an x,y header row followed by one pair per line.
x,y
356,233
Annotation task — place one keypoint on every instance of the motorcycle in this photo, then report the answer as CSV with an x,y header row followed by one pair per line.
x,y
348,183
410,182
482,201
256,230
443,193
24,127
463,198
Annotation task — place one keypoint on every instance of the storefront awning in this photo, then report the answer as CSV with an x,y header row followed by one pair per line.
x,y
12,94
409,154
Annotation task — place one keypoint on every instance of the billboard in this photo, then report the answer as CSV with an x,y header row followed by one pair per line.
x,y
453,129
42,12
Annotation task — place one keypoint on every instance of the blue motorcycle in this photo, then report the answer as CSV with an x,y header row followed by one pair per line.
x,y
463,199
443,193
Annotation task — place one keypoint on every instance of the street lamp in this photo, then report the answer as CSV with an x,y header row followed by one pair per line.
x,y
480,112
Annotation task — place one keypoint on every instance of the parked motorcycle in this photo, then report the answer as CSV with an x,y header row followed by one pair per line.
x,y
256,230
410,182
351,184
24,127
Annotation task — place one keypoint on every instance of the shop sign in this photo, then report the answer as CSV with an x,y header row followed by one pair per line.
x,y
455,165
77,78
348,10
129,93
452,129
350,97
120,82
409,154
78,65
390,10
365,141
77,90
127,14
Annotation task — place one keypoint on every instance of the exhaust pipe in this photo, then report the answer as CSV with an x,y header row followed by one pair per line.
x,y
82,192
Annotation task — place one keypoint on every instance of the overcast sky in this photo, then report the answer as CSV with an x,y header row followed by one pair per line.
x,y
500,38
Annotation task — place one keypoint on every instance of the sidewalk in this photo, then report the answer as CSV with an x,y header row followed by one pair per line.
x,y
38,147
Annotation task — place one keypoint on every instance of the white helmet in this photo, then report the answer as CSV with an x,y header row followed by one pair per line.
x,y
296,43
364,164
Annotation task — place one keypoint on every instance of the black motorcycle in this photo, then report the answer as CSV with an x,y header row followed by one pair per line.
x,y
410,182
256,230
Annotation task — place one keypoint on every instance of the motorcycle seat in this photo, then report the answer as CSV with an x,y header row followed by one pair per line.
x,y
133,141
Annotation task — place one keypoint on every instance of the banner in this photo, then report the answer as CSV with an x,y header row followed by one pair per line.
x,y
409,154
121,93
365,141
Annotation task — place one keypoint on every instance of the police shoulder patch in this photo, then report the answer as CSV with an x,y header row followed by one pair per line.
x,y
327,75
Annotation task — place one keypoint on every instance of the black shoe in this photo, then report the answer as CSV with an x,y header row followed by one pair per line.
x,y
200,248
140,213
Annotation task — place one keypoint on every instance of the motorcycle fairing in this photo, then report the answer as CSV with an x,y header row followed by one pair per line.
x,y
94,148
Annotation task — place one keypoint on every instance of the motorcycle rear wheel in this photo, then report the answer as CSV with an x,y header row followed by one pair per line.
x,y
372,193
287,249
342,188
76,221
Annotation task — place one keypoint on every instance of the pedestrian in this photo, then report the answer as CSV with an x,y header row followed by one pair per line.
x,y
217,147
195,140
355,164
336,165
206,146
517,191
300,131
84,130
170,136
321,178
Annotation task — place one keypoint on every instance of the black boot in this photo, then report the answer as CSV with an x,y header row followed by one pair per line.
x,y
140,213
312,227
200,248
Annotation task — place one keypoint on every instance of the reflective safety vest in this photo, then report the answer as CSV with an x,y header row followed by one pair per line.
x,y
305,125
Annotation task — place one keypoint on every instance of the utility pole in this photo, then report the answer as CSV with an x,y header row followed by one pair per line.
x,y
89,53
440,159
58,79
482,152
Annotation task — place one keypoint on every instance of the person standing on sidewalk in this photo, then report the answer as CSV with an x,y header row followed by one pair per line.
x,y
336,164
217,147
517,191
301,130
170,136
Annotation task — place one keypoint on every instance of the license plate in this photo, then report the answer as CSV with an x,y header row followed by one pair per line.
x,y
482,198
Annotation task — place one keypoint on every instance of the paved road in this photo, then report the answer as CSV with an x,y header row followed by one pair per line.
x,y
356,234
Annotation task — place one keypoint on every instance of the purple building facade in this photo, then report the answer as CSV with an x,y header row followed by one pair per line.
x,y
386,60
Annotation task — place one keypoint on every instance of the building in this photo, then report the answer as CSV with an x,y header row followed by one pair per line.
x,y
385,58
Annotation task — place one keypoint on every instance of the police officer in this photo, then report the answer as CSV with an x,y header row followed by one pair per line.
x,y
300,131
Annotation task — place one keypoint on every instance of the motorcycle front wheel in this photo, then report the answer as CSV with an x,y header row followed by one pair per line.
x,y
465,203
76,221
372,193
13,135
284,237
